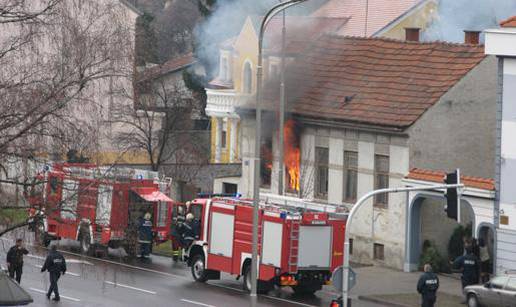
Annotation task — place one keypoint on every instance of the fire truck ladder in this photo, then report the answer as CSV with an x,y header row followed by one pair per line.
x,y
294,246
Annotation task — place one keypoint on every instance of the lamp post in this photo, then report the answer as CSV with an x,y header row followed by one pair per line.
x,y
256,187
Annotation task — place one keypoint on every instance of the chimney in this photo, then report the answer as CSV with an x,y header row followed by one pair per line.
x,y
412,34
471,37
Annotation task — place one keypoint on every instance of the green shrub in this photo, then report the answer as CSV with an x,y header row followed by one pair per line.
x,y
431,255
456,243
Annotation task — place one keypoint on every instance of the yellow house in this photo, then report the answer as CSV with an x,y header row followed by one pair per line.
x,y
420,16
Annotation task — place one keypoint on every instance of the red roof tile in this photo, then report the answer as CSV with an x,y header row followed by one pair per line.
x,y
438,176
509,23
379,14
168,67
374,81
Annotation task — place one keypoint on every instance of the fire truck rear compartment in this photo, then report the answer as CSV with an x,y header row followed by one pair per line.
x,y
314,247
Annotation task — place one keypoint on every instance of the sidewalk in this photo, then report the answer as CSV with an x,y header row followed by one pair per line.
x,y
395,288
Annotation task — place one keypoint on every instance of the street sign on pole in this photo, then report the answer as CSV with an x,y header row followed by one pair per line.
x,y
336,278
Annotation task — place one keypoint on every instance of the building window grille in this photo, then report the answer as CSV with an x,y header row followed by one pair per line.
x,y
350,176
381,180
321,169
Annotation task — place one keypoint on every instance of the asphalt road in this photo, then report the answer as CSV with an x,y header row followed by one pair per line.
x,y
151,283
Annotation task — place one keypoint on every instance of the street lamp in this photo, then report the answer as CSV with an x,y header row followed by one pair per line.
x,y
256,187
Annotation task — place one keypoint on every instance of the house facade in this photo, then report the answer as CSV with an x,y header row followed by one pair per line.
x,y
369,110
501,43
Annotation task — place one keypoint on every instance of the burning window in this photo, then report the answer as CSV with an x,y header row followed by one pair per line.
x,y
292,156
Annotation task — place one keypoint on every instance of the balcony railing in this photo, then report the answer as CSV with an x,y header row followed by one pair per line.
x,y
224,102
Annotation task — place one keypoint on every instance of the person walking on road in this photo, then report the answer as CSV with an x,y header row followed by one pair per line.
x,y
470,266
427,286
55,264
15,260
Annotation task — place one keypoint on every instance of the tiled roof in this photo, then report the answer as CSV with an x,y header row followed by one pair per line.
x,y
438,176
374,81
509,23
378,14
168,67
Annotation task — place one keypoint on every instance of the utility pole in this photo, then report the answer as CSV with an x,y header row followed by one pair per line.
x,y
358,205
281,142
257,144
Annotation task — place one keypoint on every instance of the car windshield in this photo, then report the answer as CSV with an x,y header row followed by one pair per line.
x,y
498,282
511,285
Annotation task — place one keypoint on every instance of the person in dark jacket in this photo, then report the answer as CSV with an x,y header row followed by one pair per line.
x,y
470,266
145,234
55,264
15,260
427,286
189,231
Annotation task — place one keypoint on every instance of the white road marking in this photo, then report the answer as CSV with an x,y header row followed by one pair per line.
x,y
78,261
62,296
67,273
267,296
196,303
129,287
288,301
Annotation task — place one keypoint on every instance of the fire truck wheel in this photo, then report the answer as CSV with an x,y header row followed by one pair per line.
x,y
199,269
247,278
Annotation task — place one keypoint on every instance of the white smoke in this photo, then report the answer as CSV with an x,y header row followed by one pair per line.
x,y
455,16
227,20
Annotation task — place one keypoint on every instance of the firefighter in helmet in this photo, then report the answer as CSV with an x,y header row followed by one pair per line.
x,y
189,231
145,234
177,223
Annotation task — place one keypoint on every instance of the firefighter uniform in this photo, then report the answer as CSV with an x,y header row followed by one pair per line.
x,y
55,264
145,235
189,231
427,286
470,265
15,261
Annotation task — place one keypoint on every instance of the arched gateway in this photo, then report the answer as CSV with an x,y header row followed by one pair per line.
x,y
426,218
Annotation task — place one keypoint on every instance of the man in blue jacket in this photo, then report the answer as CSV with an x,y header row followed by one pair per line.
x,y
427,286
55,264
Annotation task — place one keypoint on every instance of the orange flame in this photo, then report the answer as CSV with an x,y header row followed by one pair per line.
x,y
292,155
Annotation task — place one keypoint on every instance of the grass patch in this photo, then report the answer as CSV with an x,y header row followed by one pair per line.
x,y
12,216
164,249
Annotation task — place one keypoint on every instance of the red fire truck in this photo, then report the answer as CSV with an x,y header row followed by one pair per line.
x,y
98,206
298,248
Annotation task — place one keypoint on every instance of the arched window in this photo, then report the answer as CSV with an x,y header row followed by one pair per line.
x,y
248,78
224,74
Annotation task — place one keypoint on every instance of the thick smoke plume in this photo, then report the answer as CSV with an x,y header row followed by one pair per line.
x,y
454,16
227,20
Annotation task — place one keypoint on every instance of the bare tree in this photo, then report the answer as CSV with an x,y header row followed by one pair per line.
x,y
58,61
163,126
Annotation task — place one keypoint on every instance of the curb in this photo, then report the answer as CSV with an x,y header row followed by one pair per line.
x,y
380,301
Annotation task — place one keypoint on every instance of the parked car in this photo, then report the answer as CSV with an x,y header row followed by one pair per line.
x,y
500,291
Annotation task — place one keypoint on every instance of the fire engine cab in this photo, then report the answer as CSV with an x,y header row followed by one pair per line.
x,y
299,248
98,206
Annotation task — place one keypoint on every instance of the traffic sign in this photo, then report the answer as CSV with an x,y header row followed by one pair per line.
x,y
336,278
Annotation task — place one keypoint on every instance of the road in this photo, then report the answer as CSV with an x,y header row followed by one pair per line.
x,y
151,282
